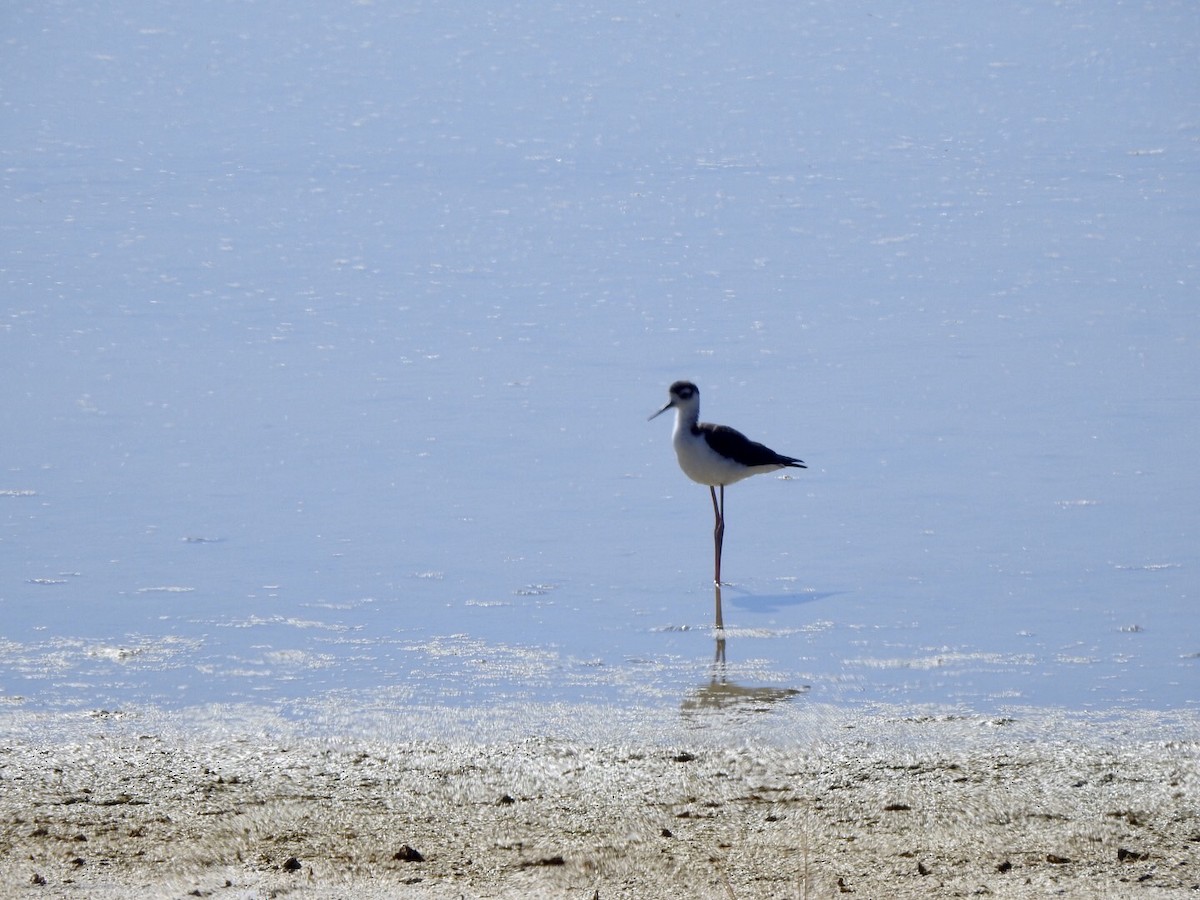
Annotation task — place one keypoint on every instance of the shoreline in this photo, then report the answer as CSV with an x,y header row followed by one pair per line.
x,y
236,803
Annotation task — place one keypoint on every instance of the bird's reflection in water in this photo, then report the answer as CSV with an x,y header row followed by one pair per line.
x,y
722,693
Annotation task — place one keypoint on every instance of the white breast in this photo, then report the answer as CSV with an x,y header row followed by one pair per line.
x,y
703,464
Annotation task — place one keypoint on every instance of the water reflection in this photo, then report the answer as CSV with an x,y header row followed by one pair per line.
x,y
723,693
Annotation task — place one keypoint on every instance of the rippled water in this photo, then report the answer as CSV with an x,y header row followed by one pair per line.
x,y
330,334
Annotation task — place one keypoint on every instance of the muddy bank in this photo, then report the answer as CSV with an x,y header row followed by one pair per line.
x,y
903,806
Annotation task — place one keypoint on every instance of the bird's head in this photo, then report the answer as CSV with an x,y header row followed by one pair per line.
x,y
684,396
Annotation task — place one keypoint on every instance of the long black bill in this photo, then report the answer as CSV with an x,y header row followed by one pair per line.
x,y
661,411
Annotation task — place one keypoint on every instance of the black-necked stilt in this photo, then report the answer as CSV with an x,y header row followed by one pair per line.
x,y
716,455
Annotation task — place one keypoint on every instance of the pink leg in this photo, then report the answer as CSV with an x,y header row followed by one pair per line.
x,y
718,531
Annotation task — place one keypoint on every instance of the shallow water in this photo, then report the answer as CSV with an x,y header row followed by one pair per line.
x,y
330,335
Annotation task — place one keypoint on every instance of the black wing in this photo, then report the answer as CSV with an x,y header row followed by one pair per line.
x,y
732,443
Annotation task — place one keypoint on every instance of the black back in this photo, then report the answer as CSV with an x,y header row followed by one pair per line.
x,y
732,443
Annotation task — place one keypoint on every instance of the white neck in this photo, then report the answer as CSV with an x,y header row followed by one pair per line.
x,y
686,417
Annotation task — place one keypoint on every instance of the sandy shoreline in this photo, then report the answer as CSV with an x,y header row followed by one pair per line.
x,y
869,806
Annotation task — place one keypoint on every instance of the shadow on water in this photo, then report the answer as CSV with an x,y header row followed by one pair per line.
x,y
769,603
722,693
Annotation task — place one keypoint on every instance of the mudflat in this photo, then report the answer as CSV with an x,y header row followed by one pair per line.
x,y
888,805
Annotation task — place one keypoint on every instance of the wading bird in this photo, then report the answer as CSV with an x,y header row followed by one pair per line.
x,y
716,455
